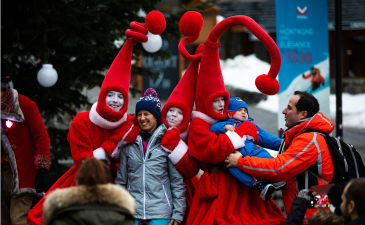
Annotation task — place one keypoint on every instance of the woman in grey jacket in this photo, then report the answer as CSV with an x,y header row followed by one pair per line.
x,y
146,171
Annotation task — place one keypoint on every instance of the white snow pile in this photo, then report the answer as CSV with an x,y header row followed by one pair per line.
x,y
241,72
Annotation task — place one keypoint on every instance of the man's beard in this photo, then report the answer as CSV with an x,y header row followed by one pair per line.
x,y
346,216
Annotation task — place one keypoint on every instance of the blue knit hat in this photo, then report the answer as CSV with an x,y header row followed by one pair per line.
x,y
234,104
150,102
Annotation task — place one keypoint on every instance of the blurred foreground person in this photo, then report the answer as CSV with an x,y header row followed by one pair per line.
x,y
25,147
92,201
353,202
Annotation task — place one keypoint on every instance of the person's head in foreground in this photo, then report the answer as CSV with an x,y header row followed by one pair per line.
x,y
93,172
353,200
301,105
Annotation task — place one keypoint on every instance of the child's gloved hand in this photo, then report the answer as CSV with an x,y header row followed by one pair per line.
x,y
170,140
248,131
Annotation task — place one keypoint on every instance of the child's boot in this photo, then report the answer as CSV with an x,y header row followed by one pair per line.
x,y
265,189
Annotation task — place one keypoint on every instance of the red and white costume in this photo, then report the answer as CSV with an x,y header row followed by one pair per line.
x,y
220,198
89,130
26,142
176,139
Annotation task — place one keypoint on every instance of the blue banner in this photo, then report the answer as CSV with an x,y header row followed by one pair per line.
x,y
302,38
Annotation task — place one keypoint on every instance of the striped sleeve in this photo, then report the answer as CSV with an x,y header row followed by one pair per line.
x,y
301,154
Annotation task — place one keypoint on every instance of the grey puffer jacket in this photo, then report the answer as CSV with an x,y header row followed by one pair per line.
x,y
152,179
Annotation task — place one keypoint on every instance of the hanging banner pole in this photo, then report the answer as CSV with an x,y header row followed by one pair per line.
x,y
338,19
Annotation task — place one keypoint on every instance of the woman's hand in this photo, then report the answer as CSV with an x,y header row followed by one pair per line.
x,y
173,222
232,159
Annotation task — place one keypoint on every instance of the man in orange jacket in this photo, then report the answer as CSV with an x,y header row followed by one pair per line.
x,y
304,159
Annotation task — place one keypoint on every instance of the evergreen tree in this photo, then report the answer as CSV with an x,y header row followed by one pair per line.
x,y
77,37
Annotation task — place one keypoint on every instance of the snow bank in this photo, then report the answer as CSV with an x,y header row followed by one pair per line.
x,y
241,72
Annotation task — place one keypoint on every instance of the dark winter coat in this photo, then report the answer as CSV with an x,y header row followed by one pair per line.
x,y
358,221
297,212
104,204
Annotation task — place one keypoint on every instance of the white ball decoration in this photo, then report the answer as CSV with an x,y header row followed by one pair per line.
x,y
153,44
47,76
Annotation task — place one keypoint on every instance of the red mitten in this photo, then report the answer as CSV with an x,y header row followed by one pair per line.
x,y
127,129
248,130
170,140
133,134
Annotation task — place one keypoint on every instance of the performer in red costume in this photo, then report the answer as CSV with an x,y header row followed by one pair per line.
x,y
25,146
90,130
220,198
176,116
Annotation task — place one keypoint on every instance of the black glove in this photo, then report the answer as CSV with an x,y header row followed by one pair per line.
x,y
303,75
40,181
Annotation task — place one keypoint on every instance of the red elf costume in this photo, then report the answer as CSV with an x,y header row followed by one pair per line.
x,y
89,130
182,98
220,198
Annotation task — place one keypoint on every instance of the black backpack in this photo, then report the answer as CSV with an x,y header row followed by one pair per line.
x,y
346,160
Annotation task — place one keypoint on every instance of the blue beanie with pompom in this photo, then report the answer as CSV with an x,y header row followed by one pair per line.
x,y
150,102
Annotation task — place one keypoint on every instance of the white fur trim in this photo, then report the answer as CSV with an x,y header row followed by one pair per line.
x,y
178,152
237,142
250,138
273,153
99,153
103,123
204,117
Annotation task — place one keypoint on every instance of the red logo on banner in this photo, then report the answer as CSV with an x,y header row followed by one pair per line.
x,y
302,11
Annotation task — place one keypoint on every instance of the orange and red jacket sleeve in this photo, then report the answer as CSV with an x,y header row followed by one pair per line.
x,y
307,76
40,136
300,155
209,147
80,140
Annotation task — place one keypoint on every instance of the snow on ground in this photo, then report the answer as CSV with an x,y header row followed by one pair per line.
x,y
241,72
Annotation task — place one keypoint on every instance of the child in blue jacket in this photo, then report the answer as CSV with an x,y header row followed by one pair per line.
x,y
237,115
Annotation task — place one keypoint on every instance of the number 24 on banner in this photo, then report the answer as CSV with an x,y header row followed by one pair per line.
x,y
298,57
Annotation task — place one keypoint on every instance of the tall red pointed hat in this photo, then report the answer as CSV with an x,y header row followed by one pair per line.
x,y
210,84
119,73
182,96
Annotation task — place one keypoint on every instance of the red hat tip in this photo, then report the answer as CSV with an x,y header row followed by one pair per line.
x,y
155,22
267,85
191,23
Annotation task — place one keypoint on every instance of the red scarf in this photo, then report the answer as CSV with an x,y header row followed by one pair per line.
x,y
7,102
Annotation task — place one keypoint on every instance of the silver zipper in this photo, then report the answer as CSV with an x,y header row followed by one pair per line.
x,y
129,188
164,191
144,170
